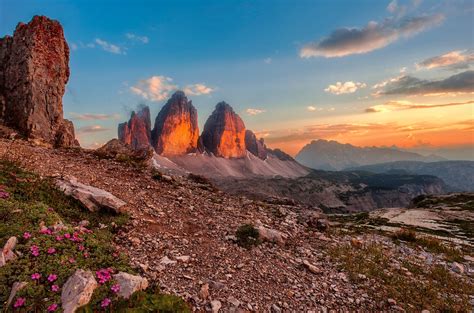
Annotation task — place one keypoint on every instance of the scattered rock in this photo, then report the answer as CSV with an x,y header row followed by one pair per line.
x,y
166,261
183,258
271,235
77,291
215,306
8,253
457,268
312,268
130,284
92,198
204,292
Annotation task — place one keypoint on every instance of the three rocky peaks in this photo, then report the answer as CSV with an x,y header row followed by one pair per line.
x,y
176,131
34,70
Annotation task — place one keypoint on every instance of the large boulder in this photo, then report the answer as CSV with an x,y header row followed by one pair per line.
x,y
176,130
78,290
224,133
130,284
92,198
115,149
137,132
34,70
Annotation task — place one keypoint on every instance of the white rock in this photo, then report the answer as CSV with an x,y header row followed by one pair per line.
x,y
7,254
183,258
77,291
166,261
130,284
215,306
92,198
271,235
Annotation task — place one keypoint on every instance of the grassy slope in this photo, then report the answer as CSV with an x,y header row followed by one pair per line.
x,y
30,201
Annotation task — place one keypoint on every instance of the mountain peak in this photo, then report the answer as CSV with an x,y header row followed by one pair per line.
x,y
176,128
224,133
137,131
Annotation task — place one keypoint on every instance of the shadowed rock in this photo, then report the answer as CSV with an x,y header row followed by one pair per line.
x,y
78,290
34,70
255,146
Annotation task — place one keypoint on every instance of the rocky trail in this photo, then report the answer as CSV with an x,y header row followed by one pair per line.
x,y
181,236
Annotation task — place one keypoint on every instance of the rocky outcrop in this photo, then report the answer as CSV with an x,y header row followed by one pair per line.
x,y
8,252
255,146
176,130
137,132
224,133
92,198
34,70
78,290
115,149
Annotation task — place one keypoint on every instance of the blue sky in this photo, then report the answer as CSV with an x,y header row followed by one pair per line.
x,y
276,58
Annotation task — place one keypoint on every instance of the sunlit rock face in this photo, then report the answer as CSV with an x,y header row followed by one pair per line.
x,y
34,70
255,146
176,130
224,133
137,132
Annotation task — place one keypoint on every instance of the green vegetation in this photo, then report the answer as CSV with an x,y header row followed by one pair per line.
x,y
247,236
53,243
430,287
464,201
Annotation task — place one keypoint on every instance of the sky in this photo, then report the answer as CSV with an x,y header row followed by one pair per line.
x,y
370,73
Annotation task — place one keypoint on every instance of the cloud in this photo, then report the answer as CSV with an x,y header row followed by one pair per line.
x,y
392,6
267,60
155,88
407,105
74,46
453,60
409,85
347,41
93,116
347,87
134,37
106,46
91,129
198,89
313,108
251,111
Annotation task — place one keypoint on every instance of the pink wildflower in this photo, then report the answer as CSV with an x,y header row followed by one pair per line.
x,y
4,194
67,235
46,231
72,260
51,250
36,276
81,248
59,238
53,307
104,275
52,277
86,254
26,235
34,250
19,302
55,288
115,288
105,303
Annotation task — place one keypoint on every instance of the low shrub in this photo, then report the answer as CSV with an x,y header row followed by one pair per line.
x,y
247,236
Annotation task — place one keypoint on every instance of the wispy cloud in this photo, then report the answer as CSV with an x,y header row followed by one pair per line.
x,y
134,37
409,85
452,60
267,60
251,111
155,88
198,89
109,47
407,105
91,129
94,116
347,41
342,88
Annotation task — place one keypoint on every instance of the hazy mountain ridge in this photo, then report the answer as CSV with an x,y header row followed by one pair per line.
x,y
332,155
458,175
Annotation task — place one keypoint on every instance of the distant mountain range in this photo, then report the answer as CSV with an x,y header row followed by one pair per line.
x,y
332,155
458,175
